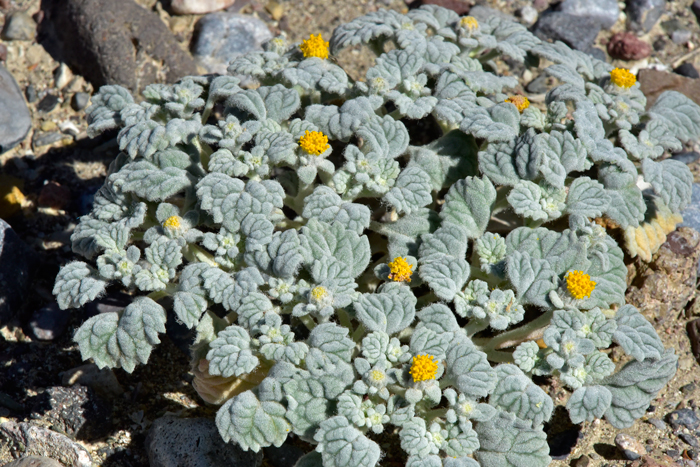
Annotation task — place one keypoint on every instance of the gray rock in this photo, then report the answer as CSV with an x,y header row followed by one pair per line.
x,y
47,103
14,272
49,322
34,461
605,11
683,418
579,32
689,439
199,7
76,411
44,139
643,14
528,14
19,26
538,85
80,100
630,447
103,381
658,424
15,120
686,157
691,214
193,442
31,94
286,455
221,37
113,42
681,37
38,441
482,13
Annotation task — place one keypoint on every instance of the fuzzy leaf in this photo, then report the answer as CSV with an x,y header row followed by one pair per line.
x,y
445,276
470,369
507,441
533,278
230,353
326,206
411,191
516,393
636,335
342,445
387,312
680,114
77,284
587,198
588,403
148,181
671,180
468,204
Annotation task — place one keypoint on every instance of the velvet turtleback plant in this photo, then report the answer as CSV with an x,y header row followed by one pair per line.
x,y
344,281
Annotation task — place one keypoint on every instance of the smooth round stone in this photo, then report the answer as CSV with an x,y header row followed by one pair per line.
x,y
15,120
49,322
199,7
19,26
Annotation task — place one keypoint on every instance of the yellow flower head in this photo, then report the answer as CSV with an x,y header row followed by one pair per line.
x,y
622,77
319,293
423,368
579,284
520,102
314,142
469,22
400,270
314,47
172,222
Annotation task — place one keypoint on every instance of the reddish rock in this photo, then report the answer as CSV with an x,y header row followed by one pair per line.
x,y
54,196
461,7
655,82
627,46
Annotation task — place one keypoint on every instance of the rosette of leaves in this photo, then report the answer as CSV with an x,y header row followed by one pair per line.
x,y
345,283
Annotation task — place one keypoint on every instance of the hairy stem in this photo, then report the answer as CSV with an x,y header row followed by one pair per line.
x,y
476,325
308,322
500,356
527,332
193,252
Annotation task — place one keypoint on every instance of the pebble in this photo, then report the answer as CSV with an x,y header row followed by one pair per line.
x,y
683,417
681,37
688,70
15,120
62,76
44,139
582,461
627,46
461,7
34,461
199,7
30,93
630,447
38,441
15,258
605,11
69,128
538,85
579,32
54,195
221,37
643,14
659,424
690,440
193,442
528,14
688,388
3,52
80,100
19,26
691,214
49,322
102,381
76,411
48,103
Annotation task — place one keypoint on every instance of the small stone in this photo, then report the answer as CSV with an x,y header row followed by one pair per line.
x,y
630,447
75,411
54,195
48,103
671,26
69,128
658,424
221,37
538,85
102,381
49,322
275,9
15,258
678,244
38,441
528,14
44,139
15,120
681,37
582,461
31,94
627,46
605,11
659,44
579,32
193,442
19,26
34,461
688,70
80,100
3,52
683,417
199,7
48,125
62,76
690,440
643,14
674,453
461,7
688,388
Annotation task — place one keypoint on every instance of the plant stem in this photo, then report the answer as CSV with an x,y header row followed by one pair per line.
x,y
193,252
344,318
500,356
476,325
308,322
530,331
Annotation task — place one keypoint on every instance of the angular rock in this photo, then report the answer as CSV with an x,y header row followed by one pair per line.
x,y
102,381
688,70
654,82
643,14
49,322
681,37
111,42
193,442
15,120
76,411
689,439
686,158
630,447
19,26
658,424
221,37
199,7
34,461
15,272
38,441
683,418
627,46
44,139
528,14
48,103
579,32
605,11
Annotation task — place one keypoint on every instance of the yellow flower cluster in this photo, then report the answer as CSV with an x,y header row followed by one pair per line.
x,y
314,142
579,284
319,293
424,367
469,22
314,47
521,102
172,222
622,77
400,270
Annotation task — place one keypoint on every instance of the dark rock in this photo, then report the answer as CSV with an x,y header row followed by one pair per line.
x,y
31,94
627,46
654,82
658,424
681,37
111,42
582,461
49,323
695,7
693,329
683,418
15,260
19,26
33,440
221,37
679,245
461,7
688,388
659,44
48,103
15,120
630,447
605,11
686,157
80,100
8,402
671,26
110,303
538,85
76,411
193,442
643,14
3,52
102,381
673,453
54,195
286,455
689,439
688,70
579,32
595,52
44,139
34,461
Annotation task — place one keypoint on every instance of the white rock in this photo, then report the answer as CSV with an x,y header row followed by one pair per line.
x,y
529,14
199,7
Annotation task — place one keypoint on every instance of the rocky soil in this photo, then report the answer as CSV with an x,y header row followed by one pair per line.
x,y
53,404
